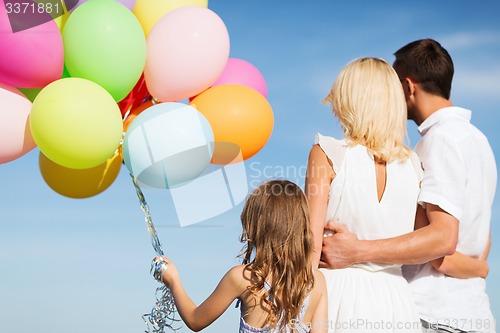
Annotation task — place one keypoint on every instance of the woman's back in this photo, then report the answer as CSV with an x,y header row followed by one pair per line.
x,y
354,198
370,296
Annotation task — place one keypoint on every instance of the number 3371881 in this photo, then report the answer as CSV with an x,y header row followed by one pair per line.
x,y
33,8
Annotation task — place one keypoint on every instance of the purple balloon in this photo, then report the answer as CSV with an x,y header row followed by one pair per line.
x,y
127,3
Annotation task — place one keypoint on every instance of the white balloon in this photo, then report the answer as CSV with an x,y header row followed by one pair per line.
x,y
167,145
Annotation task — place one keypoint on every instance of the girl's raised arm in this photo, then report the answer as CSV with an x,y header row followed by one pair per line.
x,y
231,286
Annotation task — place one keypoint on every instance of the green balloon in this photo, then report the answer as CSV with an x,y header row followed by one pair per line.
x,y
30,93
104,43
65,73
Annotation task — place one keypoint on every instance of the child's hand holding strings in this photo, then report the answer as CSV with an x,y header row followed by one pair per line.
x,y
168,273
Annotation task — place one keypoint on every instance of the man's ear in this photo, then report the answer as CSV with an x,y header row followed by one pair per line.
x,y
410,85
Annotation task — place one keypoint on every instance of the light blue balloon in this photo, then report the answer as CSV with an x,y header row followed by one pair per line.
x,y
167,145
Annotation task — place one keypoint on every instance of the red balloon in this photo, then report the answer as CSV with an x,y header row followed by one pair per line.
x,y
136,97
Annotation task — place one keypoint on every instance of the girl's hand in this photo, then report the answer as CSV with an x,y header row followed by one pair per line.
x,y
169,274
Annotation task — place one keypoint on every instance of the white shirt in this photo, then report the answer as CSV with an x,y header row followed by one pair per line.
x,y
460,177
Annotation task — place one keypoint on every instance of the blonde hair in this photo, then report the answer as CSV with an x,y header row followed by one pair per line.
x,y
278,248
368,99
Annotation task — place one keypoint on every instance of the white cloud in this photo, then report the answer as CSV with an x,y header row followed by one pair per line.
x,y
469,40
480,83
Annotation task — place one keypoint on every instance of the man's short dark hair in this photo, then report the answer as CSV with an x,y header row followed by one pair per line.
x,y
428,63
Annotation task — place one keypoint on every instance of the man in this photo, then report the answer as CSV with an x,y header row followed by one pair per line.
x,y
457,192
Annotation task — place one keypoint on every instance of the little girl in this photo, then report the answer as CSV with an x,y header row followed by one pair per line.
x,y
276,284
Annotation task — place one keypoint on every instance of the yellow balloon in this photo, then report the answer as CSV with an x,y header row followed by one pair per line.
x,y
148,12
61,20
80,183
76,123
55,10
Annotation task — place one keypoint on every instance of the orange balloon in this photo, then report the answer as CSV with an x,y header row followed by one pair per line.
x,y
238,115
79,183
134,113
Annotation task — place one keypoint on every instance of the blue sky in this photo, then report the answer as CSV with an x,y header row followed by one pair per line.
x,y
82,265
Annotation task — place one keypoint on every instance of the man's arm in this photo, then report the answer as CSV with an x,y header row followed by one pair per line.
x,y
461,266
435,240
458,265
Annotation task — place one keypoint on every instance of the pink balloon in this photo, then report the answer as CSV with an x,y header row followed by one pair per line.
x,y
187,50
30,58
242,72
15,134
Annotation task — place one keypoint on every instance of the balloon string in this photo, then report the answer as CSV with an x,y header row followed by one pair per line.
x,y
155,241
162,315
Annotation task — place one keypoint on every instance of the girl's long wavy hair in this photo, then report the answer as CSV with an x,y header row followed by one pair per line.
x,y
278,248
368,99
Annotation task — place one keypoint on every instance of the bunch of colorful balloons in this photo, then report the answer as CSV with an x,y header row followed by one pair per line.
x,y
147,82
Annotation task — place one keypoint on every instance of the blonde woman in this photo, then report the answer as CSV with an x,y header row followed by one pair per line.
x,y
277,286
369,181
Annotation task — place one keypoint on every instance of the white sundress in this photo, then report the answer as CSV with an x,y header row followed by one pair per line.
x,y
370,297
